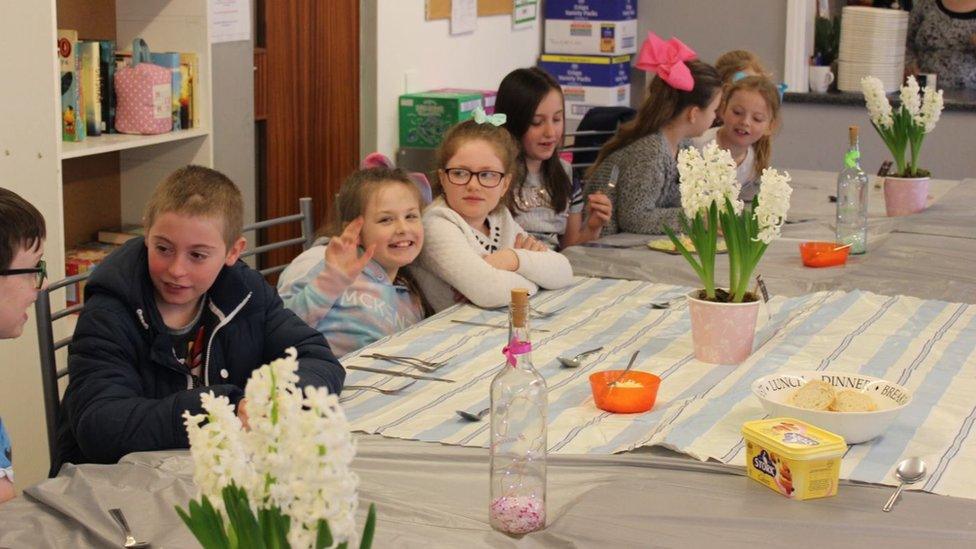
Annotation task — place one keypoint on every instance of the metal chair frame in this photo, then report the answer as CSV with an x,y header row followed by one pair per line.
x,y
51,374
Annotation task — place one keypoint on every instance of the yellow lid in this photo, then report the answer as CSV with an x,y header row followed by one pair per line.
x,y
794,439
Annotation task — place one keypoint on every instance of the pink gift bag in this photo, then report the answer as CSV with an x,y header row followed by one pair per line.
x,y
143,95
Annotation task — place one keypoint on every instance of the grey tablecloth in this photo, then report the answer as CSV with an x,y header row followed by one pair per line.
x,y
432,496
926,255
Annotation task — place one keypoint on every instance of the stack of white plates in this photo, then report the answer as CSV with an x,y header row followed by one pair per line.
x,y
872,43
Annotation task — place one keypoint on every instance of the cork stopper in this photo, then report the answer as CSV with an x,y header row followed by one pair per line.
x,y
852,134
520,307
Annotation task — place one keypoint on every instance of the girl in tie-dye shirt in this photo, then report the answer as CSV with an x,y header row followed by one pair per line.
x,y
354,289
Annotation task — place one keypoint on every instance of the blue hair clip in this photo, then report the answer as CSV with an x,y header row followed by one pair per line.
x,y
497,119
739,76
781,88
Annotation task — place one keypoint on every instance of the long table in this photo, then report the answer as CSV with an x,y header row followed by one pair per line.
x,y
430,494
928,255
433,496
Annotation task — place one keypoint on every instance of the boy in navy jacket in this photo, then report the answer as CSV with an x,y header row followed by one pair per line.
x,y
170,317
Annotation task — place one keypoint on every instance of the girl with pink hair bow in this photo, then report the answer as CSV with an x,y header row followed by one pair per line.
x,y
680,104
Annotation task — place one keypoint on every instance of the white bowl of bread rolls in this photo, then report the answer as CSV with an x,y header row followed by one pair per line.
x,y
854,406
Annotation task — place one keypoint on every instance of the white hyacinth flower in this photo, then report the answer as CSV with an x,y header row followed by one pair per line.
x,y
877,102
774,203
931,110
296,456
217,448
910,97
706,177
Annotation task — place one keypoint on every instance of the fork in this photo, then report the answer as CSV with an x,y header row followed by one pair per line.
x,y
614,175
419,364
393,391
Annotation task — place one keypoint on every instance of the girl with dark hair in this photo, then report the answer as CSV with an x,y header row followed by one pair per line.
x,y
543,199
680,104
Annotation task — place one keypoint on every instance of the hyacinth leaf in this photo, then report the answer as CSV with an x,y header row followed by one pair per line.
x,y
369,529
324,536
274,526
684,251
242,519
205,523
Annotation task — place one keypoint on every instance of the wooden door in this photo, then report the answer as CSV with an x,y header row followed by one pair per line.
x,y
306,107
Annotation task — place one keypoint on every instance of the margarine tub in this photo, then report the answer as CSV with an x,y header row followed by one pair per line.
x,y
793,457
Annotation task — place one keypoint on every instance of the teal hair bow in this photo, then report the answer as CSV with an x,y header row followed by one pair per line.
x,y
497,119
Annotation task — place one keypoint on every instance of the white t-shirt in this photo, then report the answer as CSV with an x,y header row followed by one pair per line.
x,y
744,173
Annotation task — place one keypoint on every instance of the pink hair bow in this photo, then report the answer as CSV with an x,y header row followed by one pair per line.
x,y
667,59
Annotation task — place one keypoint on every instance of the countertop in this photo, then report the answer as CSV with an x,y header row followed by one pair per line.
x,y
955,99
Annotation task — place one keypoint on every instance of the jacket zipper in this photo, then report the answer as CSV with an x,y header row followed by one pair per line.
x,y
223,321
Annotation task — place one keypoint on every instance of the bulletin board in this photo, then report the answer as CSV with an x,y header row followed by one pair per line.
x,y
441,9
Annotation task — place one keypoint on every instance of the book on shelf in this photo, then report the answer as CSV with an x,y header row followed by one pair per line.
x,y
72,102
106,62
121,235
189,68
81,259
171,60
91,86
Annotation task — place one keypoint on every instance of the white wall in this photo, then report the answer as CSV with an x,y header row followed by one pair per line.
x,y
712,28
408,50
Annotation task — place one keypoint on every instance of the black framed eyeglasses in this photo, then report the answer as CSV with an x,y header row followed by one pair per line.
x,y
487,178
39,272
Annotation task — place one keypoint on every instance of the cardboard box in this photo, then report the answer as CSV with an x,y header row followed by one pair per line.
x,y
591,27
589,81
80,259
425,117
487,97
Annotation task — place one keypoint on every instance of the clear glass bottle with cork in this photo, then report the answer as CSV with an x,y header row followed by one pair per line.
x,y
519,416
852,199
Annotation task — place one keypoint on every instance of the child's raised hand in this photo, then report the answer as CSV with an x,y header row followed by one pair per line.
x,y
342,253
599,210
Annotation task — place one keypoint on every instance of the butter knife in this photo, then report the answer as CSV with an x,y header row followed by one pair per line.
x,y
396,373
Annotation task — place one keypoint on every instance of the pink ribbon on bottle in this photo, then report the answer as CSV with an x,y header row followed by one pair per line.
x,y
515,348
667,59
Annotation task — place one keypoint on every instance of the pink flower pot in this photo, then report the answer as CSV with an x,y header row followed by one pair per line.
x,y
905,195
722,333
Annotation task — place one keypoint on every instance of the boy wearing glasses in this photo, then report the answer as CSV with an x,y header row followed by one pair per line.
x,y
22,234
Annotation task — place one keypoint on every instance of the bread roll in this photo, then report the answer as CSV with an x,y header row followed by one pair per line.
x,y
814,395
849,400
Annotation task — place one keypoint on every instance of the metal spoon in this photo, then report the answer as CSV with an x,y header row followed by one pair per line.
x,y
130,542
575,361
633,358
909,471
472,417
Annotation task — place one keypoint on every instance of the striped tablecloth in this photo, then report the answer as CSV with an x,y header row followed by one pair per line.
x,y
927,346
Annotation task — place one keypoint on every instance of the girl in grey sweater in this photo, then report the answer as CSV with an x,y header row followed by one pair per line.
x,y
645,196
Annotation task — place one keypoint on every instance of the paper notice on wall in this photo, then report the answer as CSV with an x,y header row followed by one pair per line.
x,y
524,14
464,16
230,20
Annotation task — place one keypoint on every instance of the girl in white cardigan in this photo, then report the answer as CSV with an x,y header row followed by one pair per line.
x,y
474,250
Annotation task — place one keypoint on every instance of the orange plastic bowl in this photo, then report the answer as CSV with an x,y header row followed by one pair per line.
x,y
823,254
624,400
